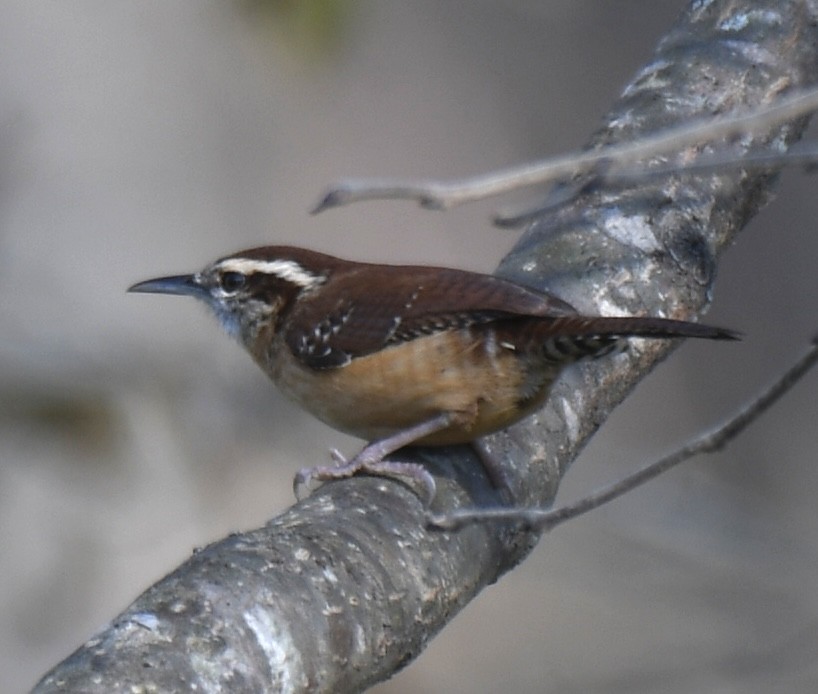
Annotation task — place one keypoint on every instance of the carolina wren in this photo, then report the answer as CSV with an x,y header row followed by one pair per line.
x,y
401,355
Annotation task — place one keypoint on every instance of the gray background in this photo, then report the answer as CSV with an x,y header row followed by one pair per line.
x,y
148,138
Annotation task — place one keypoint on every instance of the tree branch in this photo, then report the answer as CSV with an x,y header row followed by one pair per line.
x,y
610,164
347,586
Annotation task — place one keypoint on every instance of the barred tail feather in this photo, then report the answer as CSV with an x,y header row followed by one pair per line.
x,y
635,326
571,338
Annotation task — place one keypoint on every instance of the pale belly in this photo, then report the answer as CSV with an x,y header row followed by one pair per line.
x,y
377,395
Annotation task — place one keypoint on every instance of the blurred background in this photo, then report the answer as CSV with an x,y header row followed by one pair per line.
x,y
142,139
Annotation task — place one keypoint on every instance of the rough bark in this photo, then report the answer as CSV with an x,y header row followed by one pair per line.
x,y
348,586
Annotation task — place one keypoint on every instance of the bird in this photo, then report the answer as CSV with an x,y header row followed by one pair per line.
x,y
403,355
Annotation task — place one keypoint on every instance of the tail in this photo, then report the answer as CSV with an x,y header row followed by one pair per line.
x,y
570,338
635,326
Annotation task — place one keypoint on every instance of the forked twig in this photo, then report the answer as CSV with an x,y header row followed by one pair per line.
x,y
443,195
803,153
709,442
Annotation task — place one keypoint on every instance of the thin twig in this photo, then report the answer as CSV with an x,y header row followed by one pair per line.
x,y
709,442
443,195
802,153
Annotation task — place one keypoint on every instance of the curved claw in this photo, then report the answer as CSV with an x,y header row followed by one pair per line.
x,y
303,482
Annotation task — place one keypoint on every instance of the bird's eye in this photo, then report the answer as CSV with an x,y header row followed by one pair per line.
x,y
232,282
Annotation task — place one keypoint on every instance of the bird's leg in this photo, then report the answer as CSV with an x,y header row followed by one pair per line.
x,y
371,460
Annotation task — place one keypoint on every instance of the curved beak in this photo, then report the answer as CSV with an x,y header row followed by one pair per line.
x,y
186,285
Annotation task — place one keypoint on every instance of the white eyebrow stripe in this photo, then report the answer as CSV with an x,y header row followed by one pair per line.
x,y
287,270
